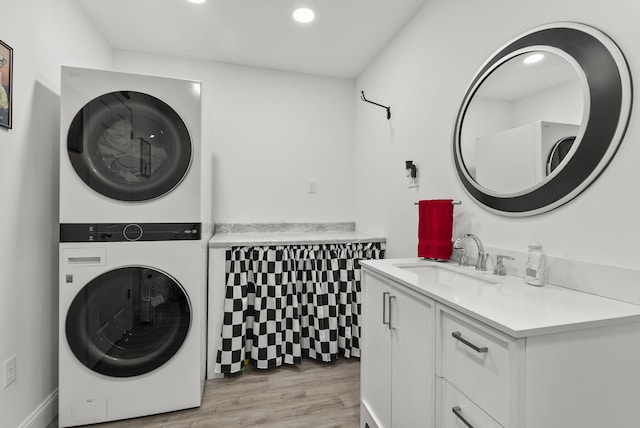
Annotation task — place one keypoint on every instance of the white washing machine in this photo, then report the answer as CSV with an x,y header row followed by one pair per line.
x,y
130,148
131,326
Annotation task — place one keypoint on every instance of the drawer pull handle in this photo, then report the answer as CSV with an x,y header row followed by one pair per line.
x,y
390,309
458,412
385,295
458,336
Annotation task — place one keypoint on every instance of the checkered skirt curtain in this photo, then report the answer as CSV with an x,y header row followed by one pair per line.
x,y
286,302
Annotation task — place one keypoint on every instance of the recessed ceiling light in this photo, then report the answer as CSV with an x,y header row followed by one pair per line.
x,y
304,15
533,58
197,1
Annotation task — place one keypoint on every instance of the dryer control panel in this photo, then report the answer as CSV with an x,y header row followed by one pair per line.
x,y
122,232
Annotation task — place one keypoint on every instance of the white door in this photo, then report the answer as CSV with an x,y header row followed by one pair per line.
x,y
129,146
413,361
375,362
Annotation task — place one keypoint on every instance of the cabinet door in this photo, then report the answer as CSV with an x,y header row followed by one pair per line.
x,y
375,362
413,360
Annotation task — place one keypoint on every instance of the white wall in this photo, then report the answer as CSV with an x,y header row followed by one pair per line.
x,y
484,117
563,103
423,74
269,133
44,35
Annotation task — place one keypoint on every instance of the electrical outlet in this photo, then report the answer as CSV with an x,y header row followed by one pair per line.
x,y
9,371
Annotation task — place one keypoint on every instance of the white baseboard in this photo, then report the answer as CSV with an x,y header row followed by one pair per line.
x,y
44,414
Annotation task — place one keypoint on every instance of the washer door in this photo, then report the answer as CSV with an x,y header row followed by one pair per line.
x,y
128,321
558,152
129,146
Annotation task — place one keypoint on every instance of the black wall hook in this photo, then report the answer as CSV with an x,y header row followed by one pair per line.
x,y
363,98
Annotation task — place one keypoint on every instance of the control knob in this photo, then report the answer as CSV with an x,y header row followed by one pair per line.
x,y
132,232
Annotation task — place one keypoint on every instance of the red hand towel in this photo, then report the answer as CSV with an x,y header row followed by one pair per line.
x,y
435,227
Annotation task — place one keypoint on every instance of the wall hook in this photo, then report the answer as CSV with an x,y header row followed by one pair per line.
x,y
363,98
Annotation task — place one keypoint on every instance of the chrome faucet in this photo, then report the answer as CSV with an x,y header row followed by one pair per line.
x,y
481,263
499,268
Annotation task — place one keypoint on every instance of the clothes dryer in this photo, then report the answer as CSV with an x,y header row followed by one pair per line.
x,y
131,328
130,148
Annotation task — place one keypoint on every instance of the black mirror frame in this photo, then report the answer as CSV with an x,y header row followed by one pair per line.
x,y
610,91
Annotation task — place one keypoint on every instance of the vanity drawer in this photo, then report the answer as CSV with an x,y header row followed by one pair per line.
x,y
476,360
456,407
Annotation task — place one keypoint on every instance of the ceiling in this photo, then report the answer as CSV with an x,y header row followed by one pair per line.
x,y
344,38
513,80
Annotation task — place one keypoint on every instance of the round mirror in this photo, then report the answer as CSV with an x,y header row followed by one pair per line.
x,y
541,119
525,105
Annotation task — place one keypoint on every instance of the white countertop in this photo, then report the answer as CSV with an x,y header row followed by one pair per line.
x,y
508,303
290,238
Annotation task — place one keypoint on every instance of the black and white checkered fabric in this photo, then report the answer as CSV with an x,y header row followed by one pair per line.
x,y
286,302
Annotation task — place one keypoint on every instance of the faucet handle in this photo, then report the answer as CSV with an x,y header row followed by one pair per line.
x,y
463,260
499,269
481,263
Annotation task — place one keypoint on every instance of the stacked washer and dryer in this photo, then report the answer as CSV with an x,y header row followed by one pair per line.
x,y
132,255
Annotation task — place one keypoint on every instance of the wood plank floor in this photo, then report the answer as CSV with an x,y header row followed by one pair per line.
x,y
310,395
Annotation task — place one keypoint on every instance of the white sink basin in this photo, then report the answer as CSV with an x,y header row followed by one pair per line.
x,y
447,277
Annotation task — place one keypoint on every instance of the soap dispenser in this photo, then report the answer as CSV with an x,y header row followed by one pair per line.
x,y
536,267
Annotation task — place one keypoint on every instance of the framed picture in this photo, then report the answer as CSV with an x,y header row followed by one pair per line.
x,y
6,87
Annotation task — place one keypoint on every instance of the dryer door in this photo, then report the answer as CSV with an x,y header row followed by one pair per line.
x,y
558,152
129,146
128,321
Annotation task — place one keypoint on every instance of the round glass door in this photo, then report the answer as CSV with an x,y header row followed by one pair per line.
x,y
129,146
128,321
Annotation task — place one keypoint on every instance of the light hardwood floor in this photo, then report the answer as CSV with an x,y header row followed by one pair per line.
x,y
310,395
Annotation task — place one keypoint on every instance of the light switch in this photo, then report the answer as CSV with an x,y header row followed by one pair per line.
x,y
311,187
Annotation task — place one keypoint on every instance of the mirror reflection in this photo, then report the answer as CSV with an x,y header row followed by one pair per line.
x,y
524,121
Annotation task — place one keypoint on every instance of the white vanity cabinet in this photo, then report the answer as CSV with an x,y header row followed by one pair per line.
x,y
587,378
493,355
398,357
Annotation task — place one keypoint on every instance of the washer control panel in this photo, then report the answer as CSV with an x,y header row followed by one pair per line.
x,y
122,232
